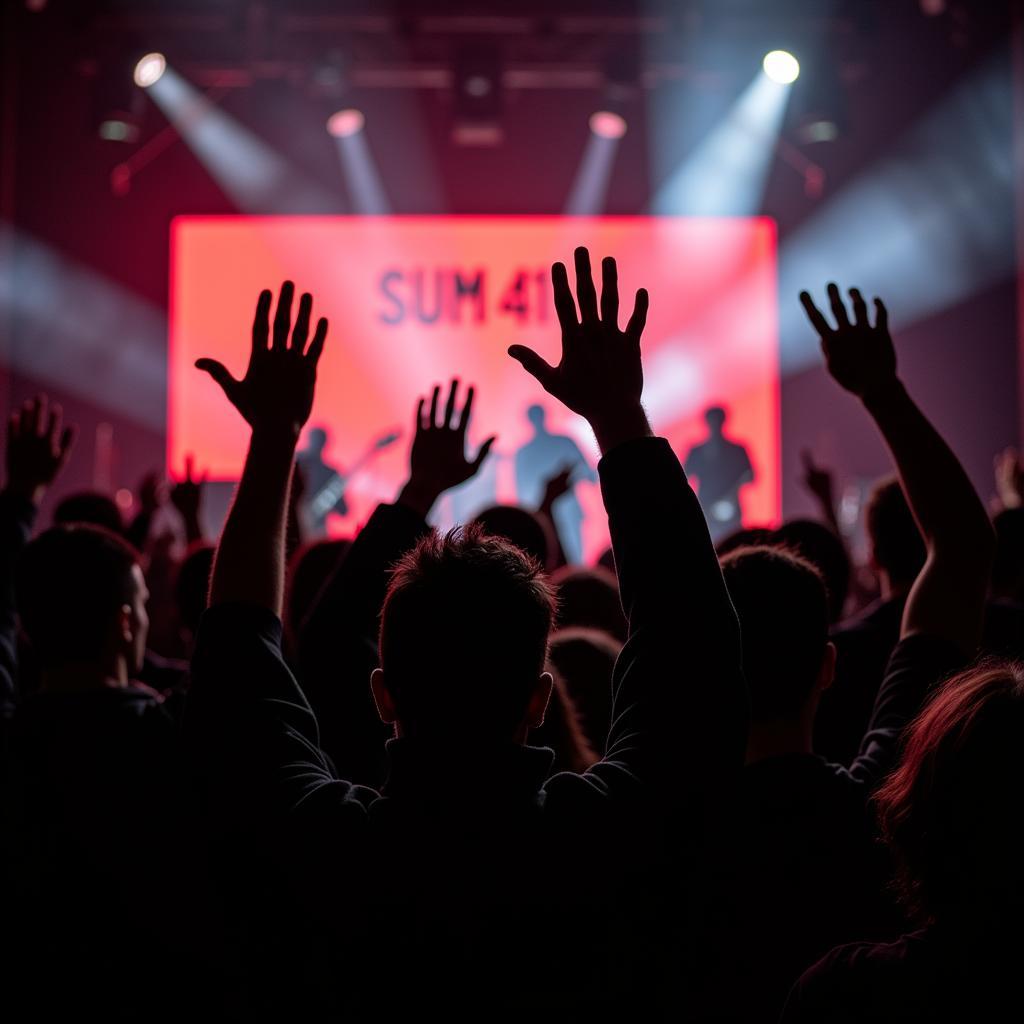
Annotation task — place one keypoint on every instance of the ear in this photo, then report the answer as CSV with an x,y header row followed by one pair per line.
x,y
539,701
827,672
125,632
382,697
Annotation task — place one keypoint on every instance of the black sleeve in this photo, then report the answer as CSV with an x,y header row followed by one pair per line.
x,y
679,713
337,643
250,730
917,665
17,517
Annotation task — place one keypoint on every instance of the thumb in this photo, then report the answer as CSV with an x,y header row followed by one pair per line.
x,y
485,449
532,363
219,372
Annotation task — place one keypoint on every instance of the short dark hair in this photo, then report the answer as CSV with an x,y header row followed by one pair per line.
x,y
589,597
70,581
780,600
1008,566
91,507
949,812
821,547
896,542
464,633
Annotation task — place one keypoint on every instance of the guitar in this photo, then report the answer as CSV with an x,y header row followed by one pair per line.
x,y
322,501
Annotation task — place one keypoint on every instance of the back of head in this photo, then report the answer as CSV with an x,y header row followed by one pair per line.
x,y
826,552
714,417
192,584
780,601
72,581
309,570
896,544
589,597
950,811
527,530
744,537
1008,567
90,507
464,633
584,660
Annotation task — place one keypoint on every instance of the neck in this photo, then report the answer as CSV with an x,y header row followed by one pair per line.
x,y
80,677
778,737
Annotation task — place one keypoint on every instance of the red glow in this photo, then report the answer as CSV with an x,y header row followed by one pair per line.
x,y
398,292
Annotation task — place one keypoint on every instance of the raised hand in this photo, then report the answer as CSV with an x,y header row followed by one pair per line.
x,y
859,356
276,393
37,448
599,376
438,458
187,498
554,487
817,479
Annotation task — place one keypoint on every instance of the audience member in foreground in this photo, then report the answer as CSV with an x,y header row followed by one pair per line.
x,y
97,828
806,874
949,810
468,885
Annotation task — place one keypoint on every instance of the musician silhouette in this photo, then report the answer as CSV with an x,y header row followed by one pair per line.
x,y
721,467
542,457
322,496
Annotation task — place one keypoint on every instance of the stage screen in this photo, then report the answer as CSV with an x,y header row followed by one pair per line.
x,y
413,301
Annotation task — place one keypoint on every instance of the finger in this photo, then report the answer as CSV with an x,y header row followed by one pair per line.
x,y
449,409
301,332
565,307
67,442
533,364
421,424
638,321
283,317
433,406
188,469
586,294
219,372
13,426
261,321
860,308
30,417
52,430
316,346
485,450
467,409
815,315
838,306
609,292
881,316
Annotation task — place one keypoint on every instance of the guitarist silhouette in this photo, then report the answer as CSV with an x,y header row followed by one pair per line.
x,y
325,486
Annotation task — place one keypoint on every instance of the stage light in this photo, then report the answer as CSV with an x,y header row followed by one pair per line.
x,y
781,67
150,69
607,124
118,129
344,123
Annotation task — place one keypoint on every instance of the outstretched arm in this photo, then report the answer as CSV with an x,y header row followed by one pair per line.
x,y
948,597
37,449
679,673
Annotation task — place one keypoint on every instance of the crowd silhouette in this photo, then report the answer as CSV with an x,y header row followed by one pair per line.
x,y
458,776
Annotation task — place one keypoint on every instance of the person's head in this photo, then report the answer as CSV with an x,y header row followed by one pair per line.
x,y
535,414
309,570
788,661
897,550
589,598
463,640
90,507
584,660
824,550
714,417
744,537
82,598
1008,566
950,812
316,439
192,586
527,530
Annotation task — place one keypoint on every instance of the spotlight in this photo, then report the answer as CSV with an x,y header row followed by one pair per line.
x,y
607,125
781,67
344,123
149,69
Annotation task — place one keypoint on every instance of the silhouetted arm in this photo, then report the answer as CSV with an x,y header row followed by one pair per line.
x,y
37,449
679,700
946,604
